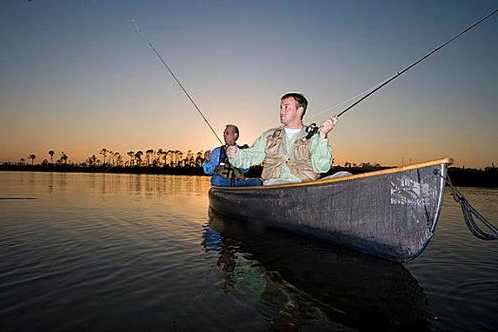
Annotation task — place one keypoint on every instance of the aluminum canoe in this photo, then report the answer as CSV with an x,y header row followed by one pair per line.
x,y
390,213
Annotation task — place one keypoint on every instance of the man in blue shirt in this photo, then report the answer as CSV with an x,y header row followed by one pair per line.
x,y
216,164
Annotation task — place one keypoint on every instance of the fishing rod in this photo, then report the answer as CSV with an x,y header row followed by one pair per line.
x,y
376,88
139,31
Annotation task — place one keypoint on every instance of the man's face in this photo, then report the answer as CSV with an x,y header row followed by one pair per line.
x,y
289,111
230,136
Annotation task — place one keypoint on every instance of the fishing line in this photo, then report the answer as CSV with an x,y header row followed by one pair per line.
x,y
404,70
139,31
333,108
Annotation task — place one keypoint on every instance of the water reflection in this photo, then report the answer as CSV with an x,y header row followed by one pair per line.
x,y
146,186
300,283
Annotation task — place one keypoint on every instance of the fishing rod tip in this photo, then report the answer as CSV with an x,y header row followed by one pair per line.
x,y
135,25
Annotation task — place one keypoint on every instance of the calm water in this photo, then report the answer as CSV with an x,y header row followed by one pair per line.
x,y
107,252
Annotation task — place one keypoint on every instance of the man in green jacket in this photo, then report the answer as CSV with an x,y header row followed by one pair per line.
x,y
286,153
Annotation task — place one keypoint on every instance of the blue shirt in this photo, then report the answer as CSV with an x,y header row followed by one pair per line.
x,y
210,166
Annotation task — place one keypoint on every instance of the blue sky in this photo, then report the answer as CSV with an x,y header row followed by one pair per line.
x,y
76,77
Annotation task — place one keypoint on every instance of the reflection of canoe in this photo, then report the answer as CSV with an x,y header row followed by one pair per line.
x,y
306,279
390,213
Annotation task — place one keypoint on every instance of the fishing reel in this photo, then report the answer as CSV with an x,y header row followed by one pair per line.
x,y
311,130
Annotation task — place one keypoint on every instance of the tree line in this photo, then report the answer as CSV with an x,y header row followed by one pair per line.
x,y
107,157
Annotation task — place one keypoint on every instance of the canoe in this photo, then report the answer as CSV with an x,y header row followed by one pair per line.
x,y
390,213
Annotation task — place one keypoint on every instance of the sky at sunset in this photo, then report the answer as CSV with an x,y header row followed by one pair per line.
x,y
76,77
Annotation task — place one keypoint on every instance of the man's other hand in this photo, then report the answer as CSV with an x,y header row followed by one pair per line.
x,y
232,151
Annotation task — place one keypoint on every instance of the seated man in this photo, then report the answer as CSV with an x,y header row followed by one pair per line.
x,y
288,153
224,174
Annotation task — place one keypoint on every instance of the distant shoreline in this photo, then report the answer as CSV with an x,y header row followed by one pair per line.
x,y
188,170
466,177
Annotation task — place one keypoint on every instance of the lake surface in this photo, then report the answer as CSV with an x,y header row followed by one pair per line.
x,y
106,252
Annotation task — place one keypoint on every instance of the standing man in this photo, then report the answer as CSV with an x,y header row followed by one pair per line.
x,y
217,164
286,153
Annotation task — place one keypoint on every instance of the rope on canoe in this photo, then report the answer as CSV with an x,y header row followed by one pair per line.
x,y
489,232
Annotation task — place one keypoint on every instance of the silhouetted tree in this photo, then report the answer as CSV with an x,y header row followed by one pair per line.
x,y
111,156
169,158
138,157
103,152
189,159
92,160
64,158
116,159
199,159
131,154
119,159
148,156
51,154
32,157
159,156
179,158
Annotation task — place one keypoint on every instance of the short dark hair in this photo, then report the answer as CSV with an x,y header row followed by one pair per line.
x,y
299,98
234,128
